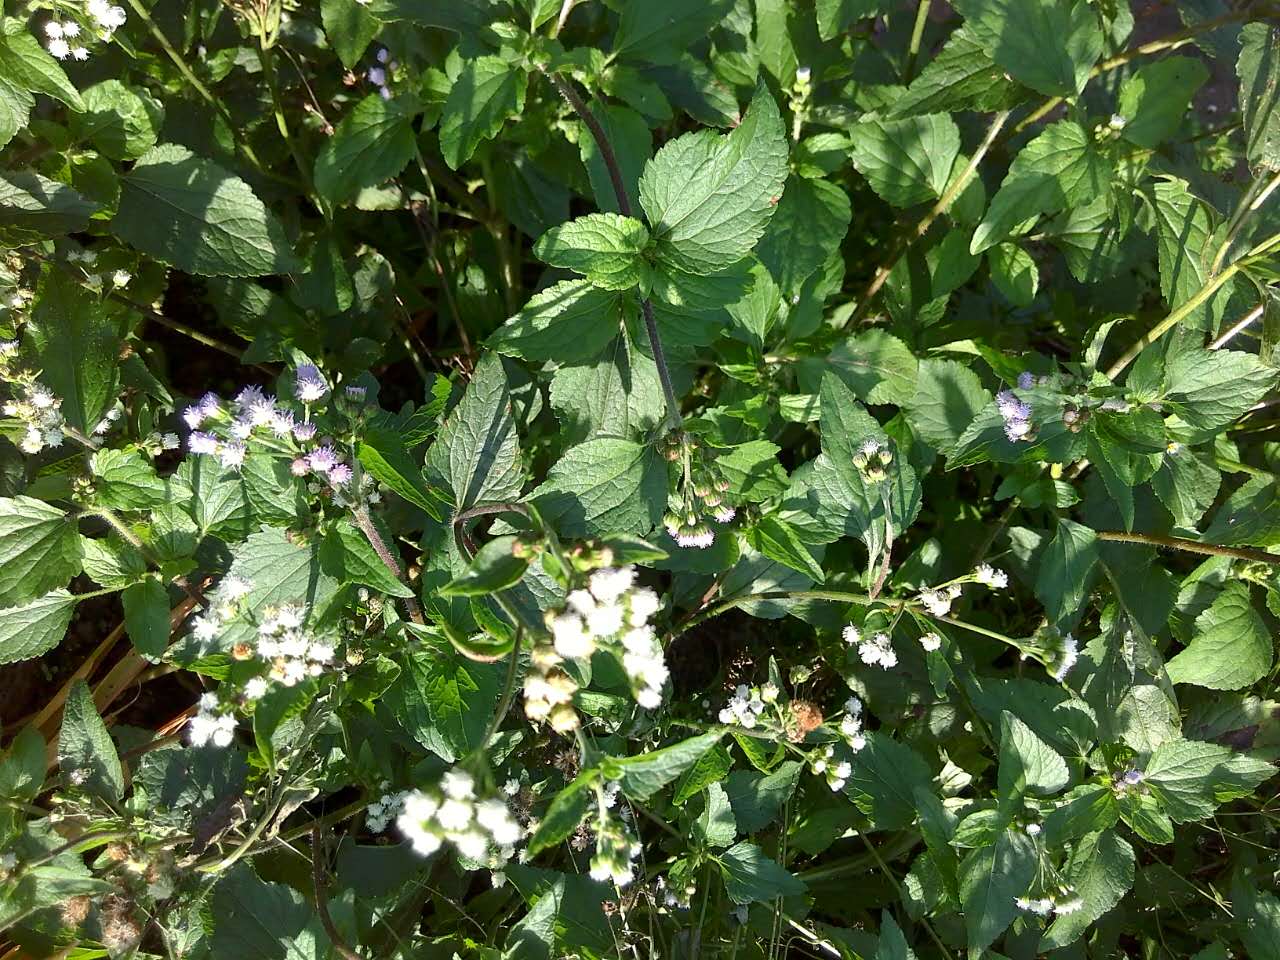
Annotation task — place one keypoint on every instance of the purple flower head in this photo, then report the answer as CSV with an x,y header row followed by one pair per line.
x,y
384,55
241,428
193,417
261,411
232,454
201,442
282,423
210,404
384,93
377,76
304,431
249,397
1026,380
299,467
1017,430
309,384
323,459
340,475
1010,407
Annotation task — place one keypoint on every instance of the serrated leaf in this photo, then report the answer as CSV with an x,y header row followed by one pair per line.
x,y
126,481
806,229
85,747
834,16
35,627
616,393
1231,646
602,486
1251,515
906,161
571,322
709,197
660,31
711,767
603,247
33,208
1066,570
1258,68
1256,917
878,368
1210,389
1014,273
495,567
1191,778
349,29
477,454
716,826
16,104
757,798
1049,45
961,77
121,122
644,775
146,617
1027,763
777,540
383,454
347,556
886,774
254,918
948,397
25,63
750,876
992,877
1058,169
892,944
1155,96
370,146
39,549
1100,872
486,92
1183,235
192,214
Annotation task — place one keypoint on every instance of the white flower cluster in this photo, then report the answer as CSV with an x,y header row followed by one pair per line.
x,y
991,576
380,73
851,725
1065,657
930,642
873,460
211,724
40,413
700,493
382,812
938,601
1016,414
1064,902
224,604
62,37
615,851
837,773
744,707
874,650
292,652
613,614
480,830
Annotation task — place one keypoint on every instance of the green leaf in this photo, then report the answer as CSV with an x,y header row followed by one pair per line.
x,y
753,471
486,92
1183,235
1190,778
1014,273
603,247
751,877
146,617
1058,169
564,814
22,770
1251,515
709,197
1101,873
716,826
991,878
476,454
961,77
711,767
906,161
878,368
1231,646
570,322
25,64
892,945
834,16
15,109
126,481
383,454
1256,914
346,555
757,798
370,146
494,567
35,627
661,31
1066,570
1210,389
776,539
85,751
349,29
122,123
192,214
806,230
603,486
948,398
1259,71
33,208
1155,96
628,134
444,700
1027,763
616,393
39,549
885,777
269,921
1049,45
644,775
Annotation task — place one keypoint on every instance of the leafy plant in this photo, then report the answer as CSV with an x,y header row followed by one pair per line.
x,y
532,479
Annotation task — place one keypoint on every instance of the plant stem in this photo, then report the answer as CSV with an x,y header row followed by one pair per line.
x,y
508,693
1249,317
273,87
917,35
624,207
322,898
944,203
370,530
1190,546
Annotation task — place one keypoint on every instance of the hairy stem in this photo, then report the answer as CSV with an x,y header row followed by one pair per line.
x,y
624,207
322,897
370,530
1190,546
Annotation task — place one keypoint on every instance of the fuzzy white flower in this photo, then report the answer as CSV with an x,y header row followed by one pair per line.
x,y
930,642
570,637
991,576
59,48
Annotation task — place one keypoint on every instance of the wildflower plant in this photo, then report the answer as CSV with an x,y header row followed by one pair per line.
x,y
610,479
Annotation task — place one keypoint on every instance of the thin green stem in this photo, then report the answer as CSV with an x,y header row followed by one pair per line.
x,y
893,879
508,694
917,35
282,124
1190,546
